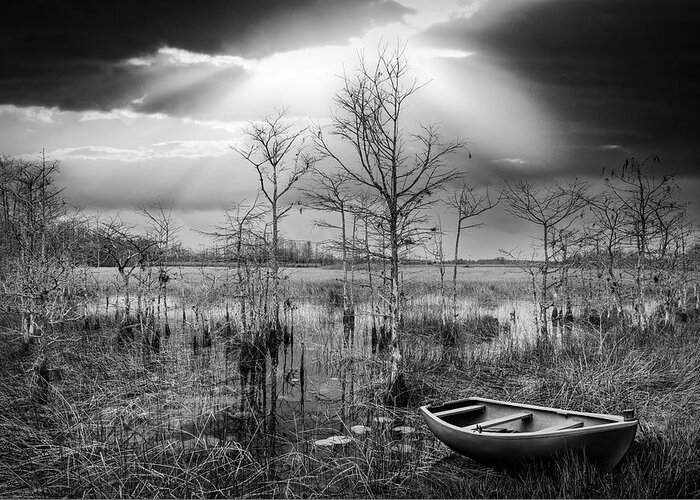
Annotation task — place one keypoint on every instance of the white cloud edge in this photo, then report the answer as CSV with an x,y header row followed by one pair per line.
x,y
41,114
511,161
194,149
127,114
437,53
173,56
32,114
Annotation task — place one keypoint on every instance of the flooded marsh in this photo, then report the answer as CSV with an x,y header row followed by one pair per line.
x,y
205,413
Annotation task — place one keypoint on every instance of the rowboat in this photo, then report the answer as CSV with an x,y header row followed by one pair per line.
x,y
503,433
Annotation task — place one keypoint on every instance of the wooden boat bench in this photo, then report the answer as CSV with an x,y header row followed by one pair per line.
x,y
460,411
501,420
571,424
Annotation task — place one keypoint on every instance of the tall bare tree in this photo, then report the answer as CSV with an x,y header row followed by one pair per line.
x,y
276,149
553,209
402,169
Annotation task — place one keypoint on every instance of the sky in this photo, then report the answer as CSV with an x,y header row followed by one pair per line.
x,y
143,100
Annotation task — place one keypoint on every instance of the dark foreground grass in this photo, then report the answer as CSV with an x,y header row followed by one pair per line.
x,y
661,381
113,425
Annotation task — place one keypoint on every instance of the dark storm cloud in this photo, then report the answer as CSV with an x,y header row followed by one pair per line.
x,y
612,72
73,86
65,52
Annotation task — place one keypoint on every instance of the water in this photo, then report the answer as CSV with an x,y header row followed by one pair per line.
x,y
199,394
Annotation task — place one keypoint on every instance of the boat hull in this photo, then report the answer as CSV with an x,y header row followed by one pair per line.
x,y
605,441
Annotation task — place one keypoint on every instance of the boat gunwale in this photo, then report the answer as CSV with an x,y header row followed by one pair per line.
x,y
618,421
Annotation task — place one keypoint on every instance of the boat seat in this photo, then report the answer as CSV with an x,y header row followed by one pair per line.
x,y
460,411
569,424
502,420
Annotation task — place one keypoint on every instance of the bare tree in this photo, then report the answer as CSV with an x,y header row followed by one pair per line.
x,y
330,192
243,238
553,209
163,231
402,169
654,217
685,263
243,234
435,248
39,257
37,262
469,204
370,248
128,251
607,232
276,149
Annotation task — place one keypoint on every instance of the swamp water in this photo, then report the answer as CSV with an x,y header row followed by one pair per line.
x,y
191,395
190,399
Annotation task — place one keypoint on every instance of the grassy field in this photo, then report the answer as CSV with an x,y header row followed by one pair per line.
x,y
119,420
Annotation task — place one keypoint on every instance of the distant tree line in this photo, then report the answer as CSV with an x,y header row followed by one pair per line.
x,y
290,253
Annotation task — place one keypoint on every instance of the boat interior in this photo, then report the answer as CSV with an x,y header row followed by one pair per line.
x,y
503,418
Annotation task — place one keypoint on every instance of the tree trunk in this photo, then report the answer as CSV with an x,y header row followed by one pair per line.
x,y
274,329
639,280
395,306
454,270
545,284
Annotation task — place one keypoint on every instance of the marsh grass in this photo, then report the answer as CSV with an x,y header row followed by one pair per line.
x,y
122,420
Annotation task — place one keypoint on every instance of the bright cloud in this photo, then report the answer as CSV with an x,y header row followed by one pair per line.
x,y
171,56
119,114
126,114
429,53
157,151
612,147
511,161
233,127
29,113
